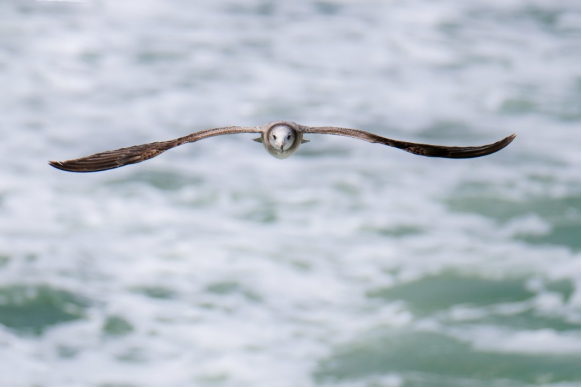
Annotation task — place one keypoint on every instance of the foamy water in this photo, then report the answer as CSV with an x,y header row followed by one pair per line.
x,y
348,264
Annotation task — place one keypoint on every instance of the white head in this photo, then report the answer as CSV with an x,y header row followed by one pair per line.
x,y
281,137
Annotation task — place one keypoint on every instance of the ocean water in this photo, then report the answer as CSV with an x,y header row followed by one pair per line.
x,y
348,264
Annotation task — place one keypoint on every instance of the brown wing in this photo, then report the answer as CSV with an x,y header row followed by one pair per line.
x,y
416,148
113,159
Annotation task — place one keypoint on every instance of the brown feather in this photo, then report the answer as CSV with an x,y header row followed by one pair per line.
x,y
130,155
430,150
113,159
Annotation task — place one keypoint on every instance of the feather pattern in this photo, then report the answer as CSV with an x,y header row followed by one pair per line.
x,y
113,159
415,148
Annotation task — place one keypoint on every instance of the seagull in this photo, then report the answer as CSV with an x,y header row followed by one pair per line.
x,y
280,138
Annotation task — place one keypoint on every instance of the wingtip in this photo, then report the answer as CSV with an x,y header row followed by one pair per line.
x,y
509,139
58,165
501,144
55,164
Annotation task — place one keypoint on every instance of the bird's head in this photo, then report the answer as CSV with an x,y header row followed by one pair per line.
x,y
281,137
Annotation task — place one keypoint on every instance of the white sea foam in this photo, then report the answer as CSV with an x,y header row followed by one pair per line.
x,y
223,266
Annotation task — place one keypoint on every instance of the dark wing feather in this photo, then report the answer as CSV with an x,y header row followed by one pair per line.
x,y
113,159
416,148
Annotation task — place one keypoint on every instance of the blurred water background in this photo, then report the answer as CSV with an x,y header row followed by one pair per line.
x,y
348,264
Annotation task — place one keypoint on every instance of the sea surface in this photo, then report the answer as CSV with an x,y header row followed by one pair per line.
x,y
348,264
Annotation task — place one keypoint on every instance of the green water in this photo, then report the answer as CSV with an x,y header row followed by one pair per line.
x,y
443,361
32,309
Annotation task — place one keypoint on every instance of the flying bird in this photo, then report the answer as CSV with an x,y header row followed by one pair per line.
x,y
281,139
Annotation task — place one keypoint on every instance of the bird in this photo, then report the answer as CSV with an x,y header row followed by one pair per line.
x,y
281,139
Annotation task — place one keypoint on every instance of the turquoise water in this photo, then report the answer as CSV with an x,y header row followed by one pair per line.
x,y
349,263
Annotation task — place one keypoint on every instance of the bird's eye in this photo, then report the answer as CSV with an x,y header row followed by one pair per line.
x,y
274,137
288,137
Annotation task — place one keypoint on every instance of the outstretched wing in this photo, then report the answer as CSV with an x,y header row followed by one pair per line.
x,y
113,159
416,148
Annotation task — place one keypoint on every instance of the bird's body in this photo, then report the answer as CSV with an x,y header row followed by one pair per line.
x,y
281,139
